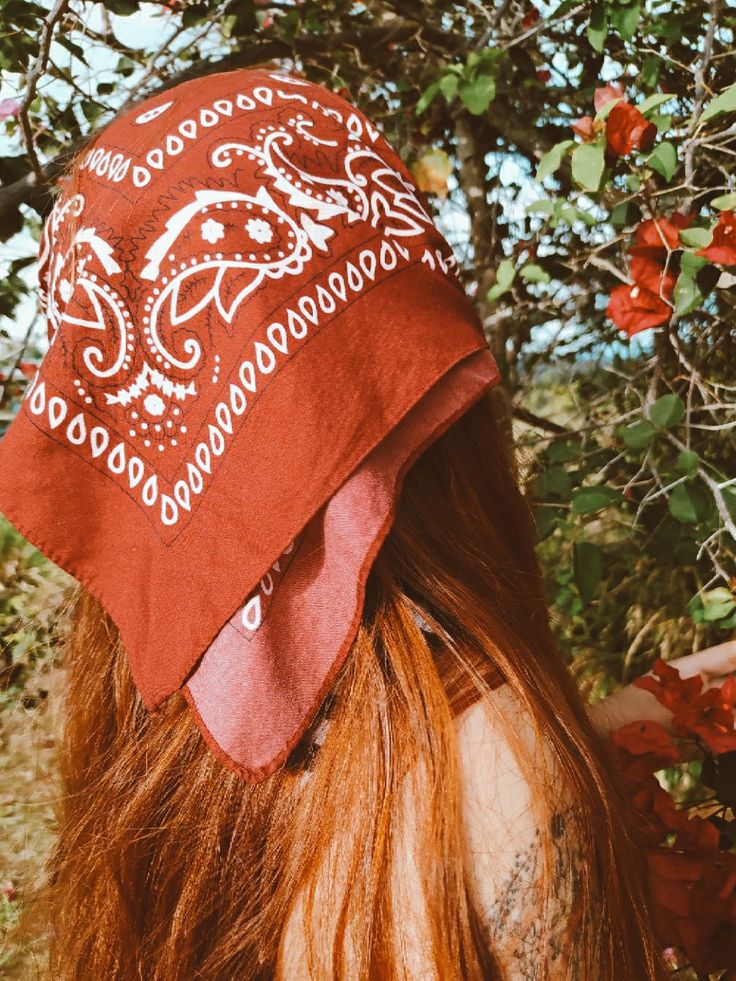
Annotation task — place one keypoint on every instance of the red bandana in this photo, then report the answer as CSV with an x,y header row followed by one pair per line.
x,y
254,330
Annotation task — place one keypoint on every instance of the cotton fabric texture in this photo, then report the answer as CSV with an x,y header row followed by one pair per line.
x,y
254,329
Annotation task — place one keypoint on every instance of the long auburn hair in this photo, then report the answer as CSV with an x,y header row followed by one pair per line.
x,y
168,867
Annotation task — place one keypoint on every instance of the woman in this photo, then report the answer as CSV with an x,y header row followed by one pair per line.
x,y
376,765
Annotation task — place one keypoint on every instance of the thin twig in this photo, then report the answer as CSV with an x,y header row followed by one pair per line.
x,y
39,67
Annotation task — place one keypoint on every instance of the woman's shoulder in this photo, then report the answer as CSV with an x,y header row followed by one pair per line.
x,y
521,837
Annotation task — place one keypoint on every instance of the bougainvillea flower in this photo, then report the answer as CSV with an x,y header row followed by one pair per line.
x,y
28,368
699,894
654,273
663,233
636,308
584,127
9,108
722,248
646,738
711,719
648,270
607,93
530,18
669,687
692,880
704,715
627,129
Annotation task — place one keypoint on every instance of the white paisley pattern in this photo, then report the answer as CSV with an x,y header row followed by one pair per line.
x,y
139,359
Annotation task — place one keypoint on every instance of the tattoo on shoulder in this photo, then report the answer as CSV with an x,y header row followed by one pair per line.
x,y
526,950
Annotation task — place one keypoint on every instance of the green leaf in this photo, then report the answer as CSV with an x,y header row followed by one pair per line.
x,y
696,238
552,160
541,207
563,8
717,604
663,159
585,216
625,18
725,202
545,519
426,97
683,506
587,500
598,27
533,273
654,101
195,14
494,292
478,93
725,102
588,569
688,461
650,69
124,8
687,296
691,263
717,611
667,411
564,211
637,435
554,483
563,451
125,66
505,273
663,121
72,47
91,110
619,216
588,164
448,86
606,109
228,25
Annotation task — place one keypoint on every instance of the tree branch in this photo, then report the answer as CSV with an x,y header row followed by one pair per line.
x,y
39,67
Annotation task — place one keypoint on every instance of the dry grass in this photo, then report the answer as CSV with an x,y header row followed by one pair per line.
x,y
27,791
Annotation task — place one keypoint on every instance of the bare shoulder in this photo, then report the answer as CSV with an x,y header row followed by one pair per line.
x,y
522,840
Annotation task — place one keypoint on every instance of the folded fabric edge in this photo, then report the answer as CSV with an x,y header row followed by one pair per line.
x,y
257,774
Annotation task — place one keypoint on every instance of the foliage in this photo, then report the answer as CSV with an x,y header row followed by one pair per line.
x,y
32,592
690,852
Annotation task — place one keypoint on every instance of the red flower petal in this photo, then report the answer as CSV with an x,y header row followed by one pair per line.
x,y
607,93
669,687
28,368
531,17
9,109
647,738
648,271
584,128
723,247
627,129
635,308
663,233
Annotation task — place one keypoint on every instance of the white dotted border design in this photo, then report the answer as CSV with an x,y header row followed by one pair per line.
x,y
309,309
115,166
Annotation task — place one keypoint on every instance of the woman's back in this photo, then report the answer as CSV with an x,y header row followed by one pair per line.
x,y
506,835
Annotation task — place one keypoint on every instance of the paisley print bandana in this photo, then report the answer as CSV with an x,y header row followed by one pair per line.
x,y
254,329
